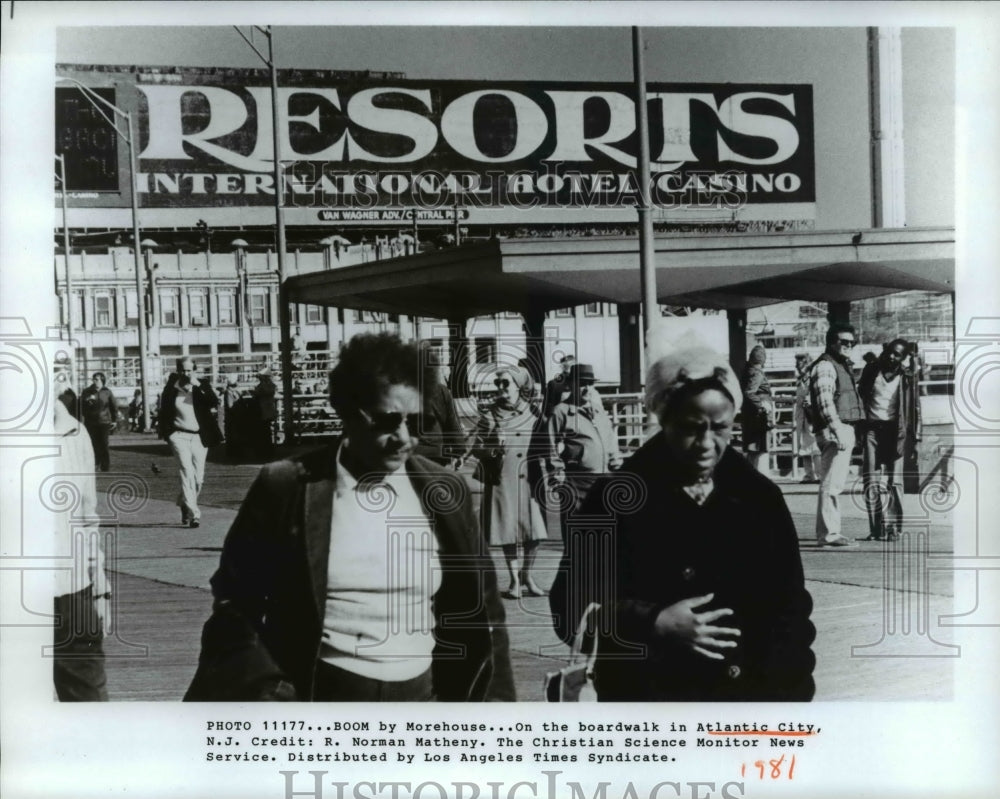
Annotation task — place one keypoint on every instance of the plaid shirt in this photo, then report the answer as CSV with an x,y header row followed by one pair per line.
x,y
824,384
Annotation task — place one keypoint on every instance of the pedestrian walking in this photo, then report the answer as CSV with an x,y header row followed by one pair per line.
x,y
264,395
82,592
135,412
100,415
502,443
580,445
696,569
757,411
835,410
356,572
806,449
186,423
891,403
441,437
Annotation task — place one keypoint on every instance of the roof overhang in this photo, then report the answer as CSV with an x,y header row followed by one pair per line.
x,y
719,271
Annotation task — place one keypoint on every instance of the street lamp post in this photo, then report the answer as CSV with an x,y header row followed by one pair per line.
x,y
128,134
241,290
152,320
647,253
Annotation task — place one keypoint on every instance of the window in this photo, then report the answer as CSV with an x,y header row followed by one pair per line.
x,y
592,309
131,309
564,312
293,313
169,316
102,310
259,311
314,314
77,306
611,309
486,350
199,308
226,302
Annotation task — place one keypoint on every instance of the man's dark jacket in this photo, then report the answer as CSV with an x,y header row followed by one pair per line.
x,y
99,407
640,544
262,641
204,400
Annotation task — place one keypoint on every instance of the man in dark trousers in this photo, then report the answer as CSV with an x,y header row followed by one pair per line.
x,y
892,418
357,572
100,414
835,409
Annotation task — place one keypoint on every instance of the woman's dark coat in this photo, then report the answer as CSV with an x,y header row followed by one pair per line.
x,y
642,544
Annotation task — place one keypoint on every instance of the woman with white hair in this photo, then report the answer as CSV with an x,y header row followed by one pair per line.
x,y
697,568
512,517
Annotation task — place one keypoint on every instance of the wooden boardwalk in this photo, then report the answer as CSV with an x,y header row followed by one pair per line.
x,y
162,597
153,651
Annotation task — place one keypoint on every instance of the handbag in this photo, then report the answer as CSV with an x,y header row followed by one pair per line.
x,y
489,468
575,682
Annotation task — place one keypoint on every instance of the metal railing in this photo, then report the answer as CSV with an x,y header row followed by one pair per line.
x,y
314,418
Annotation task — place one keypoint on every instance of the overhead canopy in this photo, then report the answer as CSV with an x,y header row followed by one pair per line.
x,y
710,271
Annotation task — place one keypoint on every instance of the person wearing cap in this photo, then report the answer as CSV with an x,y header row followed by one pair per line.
x,y
357,572
580,444
693,557
186,422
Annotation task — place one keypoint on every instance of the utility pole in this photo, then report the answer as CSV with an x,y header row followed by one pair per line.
x,y
647,252
284,320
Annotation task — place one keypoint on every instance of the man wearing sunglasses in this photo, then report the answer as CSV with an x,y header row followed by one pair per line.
x,y
357,572
836,409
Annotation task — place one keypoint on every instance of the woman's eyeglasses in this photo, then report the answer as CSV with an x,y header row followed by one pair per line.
x,y
391,422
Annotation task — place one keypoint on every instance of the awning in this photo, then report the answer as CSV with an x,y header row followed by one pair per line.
x,y
727,271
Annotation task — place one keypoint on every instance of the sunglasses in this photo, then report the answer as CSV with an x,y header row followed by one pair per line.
x,y
500,383
390,422
846,342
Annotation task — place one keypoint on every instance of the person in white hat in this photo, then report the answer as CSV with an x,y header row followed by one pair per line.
x,y
695,560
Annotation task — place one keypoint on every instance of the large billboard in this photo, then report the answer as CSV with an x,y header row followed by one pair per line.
x,y
355,145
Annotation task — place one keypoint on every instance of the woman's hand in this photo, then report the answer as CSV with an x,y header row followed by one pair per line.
x,y
696,631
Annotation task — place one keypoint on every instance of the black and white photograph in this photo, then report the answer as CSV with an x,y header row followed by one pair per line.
x,y
631,368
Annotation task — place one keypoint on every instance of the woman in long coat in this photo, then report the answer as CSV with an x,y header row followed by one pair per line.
x,y
512,517
757,408
696,569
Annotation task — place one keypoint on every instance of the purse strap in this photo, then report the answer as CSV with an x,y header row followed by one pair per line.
x,y
576,652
